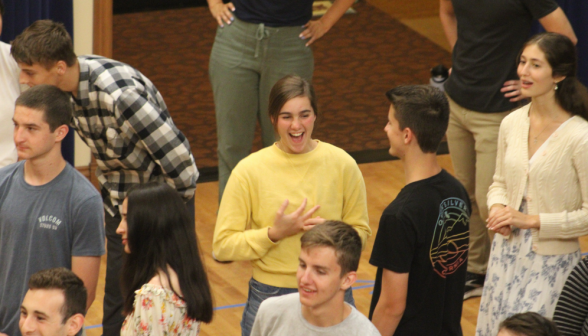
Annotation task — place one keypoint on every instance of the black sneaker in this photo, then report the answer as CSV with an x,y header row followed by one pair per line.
x,y
474,285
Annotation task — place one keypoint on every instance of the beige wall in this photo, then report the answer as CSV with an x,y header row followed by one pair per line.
x,y
83,41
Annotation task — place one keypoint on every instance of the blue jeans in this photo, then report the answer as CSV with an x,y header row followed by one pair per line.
x,y
258,292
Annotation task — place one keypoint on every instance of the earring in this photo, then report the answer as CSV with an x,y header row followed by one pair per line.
x,y
555,87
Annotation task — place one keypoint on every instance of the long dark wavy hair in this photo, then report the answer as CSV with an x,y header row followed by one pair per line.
x,y
160,234
560,53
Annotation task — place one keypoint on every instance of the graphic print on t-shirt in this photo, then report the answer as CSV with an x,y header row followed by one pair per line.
x,y
49,222
449,247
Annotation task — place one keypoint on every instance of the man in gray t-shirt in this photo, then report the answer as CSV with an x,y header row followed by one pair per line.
x,y
50,214
328,264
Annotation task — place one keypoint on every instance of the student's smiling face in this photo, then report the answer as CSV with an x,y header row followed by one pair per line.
x,y
295,125
319,277
41,313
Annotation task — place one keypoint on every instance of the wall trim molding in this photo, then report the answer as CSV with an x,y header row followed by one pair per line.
x,y
103,28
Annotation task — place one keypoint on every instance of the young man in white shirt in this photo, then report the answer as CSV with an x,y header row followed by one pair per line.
x,y
328,263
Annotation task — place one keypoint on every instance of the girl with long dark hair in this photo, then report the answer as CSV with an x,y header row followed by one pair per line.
x,y
164,284
539,198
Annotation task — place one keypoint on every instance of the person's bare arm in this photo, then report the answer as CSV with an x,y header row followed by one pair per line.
x,y
448,21
87,268
391,303
557,22
315,29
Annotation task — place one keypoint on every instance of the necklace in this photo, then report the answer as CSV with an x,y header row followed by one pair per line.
x,y
535,138
544,128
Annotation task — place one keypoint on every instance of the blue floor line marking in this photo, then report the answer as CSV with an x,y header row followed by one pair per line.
x,y
584,254
94,326
230,306
370,283
362,287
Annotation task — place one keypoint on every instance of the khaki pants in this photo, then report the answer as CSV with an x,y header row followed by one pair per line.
x,y
472,138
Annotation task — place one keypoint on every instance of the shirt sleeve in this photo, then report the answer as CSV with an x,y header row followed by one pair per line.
x,y
231,240
155,313
571,312
88,223
355,204
570,224
163,141
540,8
497,190
395,243
145,317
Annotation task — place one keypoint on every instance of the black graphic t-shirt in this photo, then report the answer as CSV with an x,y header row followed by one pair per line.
x,y
425,232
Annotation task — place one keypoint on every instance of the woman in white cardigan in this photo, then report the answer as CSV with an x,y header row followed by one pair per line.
x,y
539,198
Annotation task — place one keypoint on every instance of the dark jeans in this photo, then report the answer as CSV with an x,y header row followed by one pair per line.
x,y
259,292
113,301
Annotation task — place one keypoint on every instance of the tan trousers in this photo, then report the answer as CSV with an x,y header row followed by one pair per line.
x,y
472,138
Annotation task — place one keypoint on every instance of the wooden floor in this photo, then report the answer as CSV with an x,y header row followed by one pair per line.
x,y
383,182
229,281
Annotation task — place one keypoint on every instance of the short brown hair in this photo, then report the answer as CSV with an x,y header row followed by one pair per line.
x,y
341,237
65,280
50,100
44,42
425,110
288,88
529,324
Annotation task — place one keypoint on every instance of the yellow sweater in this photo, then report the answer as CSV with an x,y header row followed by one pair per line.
x,y
260,183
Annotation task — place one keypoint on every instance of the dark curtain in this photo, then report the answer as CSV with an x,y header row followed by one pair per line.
x,y
19,14
577,13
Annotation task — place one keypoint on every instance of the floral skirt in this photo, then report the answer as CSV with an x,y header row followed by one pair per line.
x,y
519,280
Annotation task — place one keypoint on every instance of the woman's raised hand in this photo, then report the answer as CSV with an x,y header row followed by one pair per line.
x,y
291,224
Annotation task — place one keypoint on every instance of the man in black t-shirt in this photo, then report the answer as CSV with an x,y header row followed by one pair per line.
x,y
421,247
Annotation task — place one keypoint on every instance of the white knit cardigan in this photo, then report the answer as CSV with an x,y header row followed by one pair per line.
x,y
557,181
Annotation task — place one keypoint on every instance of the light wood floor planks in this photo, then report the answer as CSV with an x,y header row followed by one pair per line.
x,y
384,180
229,281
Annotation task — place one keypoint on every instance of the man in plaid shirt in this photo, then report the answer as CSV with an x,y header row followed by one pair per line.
x,y
122,117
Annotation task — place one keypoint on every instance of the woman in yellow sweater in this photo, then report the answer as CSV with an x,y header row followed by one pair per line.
x,y
539,199
277,193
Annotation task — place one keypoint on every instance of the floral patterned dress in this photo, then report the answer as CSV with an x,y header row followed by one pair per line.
x,y
158,311
519,280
